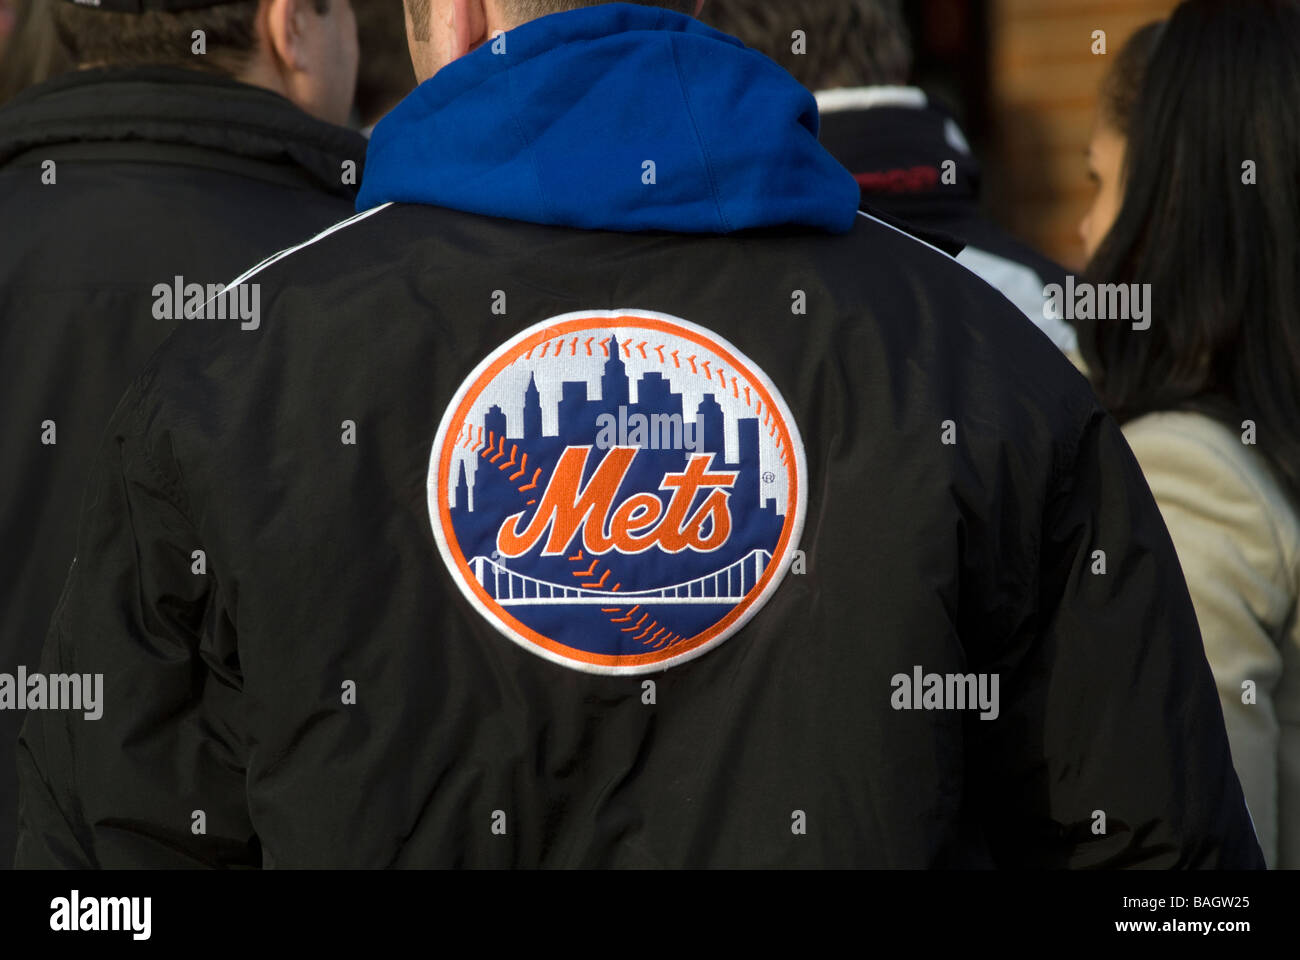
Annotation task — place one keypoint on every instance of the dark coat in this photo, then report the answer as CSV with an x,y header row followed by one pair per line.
x,y
157,173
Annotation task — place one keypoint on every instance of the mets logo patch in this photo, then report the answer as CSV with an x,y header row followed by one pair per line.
x,y
617,491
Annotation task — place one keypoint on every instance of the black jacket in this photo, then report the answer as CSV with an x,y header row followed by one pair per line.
x,y
156,173
443,575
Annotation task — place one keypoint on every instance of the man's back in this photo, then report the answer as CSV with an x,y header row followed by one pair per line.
x,y
444,564
118,185
374,716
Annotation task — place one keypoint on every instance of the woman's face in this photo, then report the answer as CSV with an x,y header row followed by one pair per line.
x,y
1105,169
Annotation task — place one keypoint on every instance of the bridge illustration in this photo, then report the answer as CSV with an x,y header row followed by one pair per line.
x,y
728,585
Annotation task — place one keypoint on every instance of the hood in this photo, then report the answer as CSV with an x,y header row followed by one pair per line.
x,y
174,107
614,117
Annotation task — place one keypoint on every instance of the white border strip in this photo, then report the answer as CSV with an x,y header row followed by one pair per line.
x,y
276,257
864,98
943,253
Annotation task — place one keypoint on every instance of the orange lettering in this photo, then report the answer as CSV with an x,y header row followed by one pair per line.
x,y
638,524
564,508
681,533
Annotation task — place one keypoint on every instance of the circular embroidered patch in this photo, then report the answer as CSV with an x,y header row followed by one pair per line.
x,y
617,491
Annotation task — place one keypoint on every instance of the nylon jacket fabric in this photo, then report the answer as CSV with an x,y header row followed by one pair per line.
x,y
113,181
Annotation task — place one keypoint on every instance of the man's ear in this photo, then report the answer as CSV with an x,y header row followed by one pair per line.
x,y
699,5
285,25
468,25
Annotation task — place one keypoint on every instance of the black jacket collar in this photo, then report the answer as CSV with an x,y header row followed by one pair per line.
x,y
181,108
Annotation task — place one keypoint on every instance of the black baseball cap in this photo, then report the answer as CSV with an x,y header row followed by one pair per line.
x,y
140,6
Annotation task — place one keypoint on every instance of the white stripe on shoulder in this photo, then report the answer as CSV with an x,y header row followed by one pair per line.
x,y
867,98
275,257
949,256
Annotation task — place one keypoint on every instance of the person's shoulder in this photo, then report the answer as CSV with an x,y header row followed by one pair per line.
x,y
981,337
1202,465
902,258
985,234
1187,440
340,240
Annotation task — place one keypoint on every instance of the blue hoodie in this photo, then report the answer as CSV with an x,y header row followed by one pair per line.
x,y
562,128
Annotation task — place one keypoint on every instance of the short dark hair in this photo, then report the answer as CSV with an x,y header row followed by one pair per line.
x,y
384,72
849,43
1222,256
1119,91
163,38
522,11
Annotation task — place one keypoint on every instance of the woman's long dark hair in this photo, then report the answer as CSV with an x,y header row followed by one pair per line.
x,y
1222,256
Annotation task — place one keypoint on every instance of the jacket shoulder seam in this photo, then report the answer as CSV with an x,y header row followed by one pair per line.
x,y
288,251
